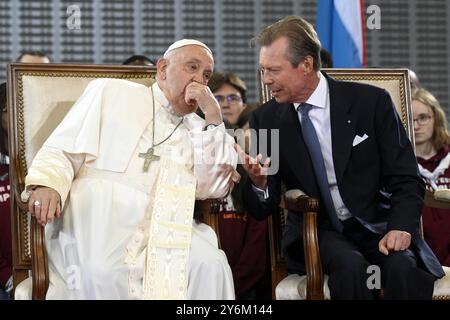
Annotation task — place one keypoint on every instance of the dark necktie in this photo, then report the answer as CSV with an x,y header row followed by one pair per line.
x,y
312,142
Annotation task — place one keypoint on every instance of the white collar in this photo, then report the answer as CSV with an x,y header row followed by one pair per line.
x,y
319,96
437,172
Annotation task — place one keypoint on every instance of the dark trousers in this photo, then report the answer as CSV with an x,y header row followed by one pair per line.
x,y
3,295
346,258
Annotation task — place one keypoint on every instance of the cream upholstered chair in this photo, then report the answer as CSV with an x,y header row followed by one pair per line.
x,y
313,285
39,96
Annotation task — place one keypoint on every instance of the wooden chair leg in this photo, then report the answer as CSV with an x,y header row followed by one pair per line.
x,y
314,274
40,276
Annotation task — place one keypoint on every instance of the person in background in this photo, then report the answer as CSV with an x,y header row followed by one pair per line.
x,y
414,80
242,237
139,60
5,214
33,57
326,59
433,154
230,92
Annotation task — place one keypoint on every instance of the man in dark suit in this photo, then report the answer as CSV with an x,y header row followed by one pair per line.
x,y
343,143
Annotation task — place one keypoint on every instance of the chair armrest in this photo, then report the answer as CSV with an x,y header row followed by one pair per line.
x,y
39,262
23,205
439,199
298,201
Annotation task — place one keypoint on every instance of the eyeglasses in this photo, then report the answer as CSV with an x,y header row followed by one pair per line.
x,y
231,99
423,119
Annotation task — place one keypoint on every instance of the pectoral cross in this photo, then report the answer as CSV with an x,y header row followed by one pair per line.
x,y
148,156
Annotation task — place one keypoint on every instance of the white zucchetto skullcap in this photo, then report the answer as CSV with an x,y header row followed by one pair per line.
x,y
185,42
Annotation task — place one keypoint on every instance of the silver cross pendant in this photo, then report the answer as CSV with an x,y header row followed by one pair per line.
x,y
149,157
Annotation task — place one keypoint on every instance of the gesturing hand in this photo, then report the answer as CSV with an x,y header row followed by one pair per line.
x,y
256,172
395,240
44,204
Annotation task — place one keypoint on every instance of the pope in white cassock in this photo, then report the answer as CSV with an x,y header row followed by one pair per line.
x,y
126,165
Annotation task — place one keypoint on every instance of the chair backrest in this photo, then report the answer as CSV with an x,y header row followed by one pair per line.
x,y
39,96
396,82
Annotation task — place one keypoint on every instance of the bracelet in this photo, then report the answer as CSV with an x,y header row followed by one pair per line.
x,y
25,195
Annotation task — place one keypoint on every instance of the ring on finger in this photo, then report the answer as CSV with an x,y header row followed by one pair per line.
x,y
37,203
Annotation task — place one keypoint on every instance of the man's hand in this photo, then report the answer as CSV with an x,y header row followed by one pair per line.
x,y
394,240
44,204
256,172
200,94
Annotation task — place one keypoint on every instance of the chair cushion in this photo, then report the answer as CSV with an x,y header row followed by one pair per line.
x,y
23,290
293,287
442,286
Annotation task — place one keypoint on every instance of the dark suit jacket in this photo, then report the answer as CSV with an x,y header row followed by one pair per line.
x,y
385,161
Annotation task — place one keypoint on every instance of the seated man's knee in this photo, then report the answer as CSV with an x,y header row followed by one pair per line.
x,y
211,259
348,277
398,263
349,263
94,269
204,249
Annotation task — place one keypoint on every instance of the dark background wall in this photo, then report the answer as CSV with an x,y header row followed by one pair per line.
x,y
414,34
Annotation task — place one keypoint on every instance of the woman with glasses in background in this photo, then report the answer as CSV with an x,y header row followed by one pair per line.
x,y
242,238
230,92
433,155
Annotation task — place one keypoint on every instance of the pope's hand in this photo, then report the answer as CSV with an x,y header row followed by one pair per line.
x,y
44,204
200,94
256,171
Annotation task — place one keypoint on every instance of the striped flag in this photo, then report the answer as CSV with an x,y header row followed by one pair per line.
x,y
340,27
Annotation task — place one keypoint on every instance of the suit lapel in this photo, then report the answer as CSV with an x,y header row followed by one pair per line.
x,y
343,125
